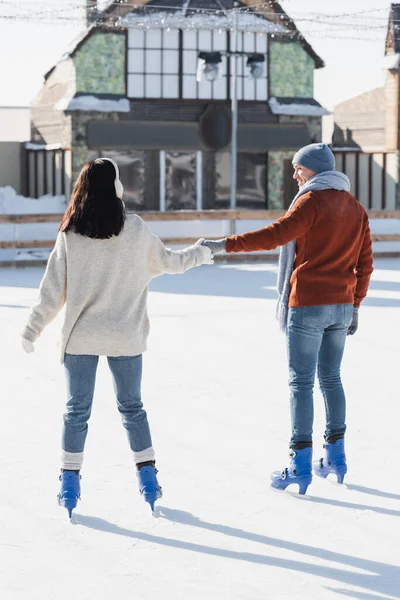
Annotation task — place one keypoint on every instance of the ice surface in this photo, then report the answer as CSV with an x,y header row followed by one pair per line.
x,y
216,394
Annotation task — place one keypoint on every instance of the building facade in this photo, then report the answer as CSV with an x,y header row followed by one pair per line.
x,y
127,89
367,135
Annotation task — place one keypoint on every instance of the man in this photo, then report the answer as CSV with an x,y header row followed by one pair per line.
x,y
324,270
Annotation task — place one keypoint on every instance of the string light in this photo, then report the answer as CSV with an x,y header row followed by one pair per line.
x,y
341,25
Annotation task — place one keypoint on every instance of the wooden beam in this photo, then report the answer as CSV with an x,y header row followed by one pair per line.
x,y
43,218
177,241
28,244
191,215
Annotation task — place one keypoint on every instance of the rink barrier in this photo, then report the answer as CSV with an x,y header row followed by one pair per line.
x,y
182,215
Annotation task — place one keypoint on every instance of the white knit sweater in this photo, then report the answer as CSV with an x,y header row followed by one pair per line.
x,y
104,286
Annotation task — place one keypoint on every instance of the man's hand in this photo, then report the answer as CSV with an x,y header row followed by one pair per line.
x,y
354,323
216,246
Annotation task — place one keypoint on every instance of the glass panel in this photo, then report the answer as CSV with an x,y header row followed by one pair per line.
x,y
219,40
223,181
189,86
135,38
205,41
171,39
205,89
153,61
153,86
135,86
190,40
153,38
249,42
189,62
239,41
170,61
251,184
249,89
135,61
251,181
170,86
262,88
180,181
219,89
261,42
131,169
239,65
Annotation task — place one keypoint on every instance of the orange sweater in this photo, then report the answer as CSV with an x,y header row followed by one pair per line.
x,y
333,248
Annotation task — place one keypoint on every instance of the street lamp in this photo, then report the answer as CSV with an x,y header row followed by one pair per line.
x,y
255,63
208,66
208,69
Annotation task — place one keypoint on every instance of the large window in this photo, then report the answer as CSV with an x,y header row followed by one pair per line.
x,y
163,64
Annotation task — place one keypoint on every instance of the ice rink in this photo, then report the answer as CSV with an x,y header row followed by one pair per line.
x,y
215,389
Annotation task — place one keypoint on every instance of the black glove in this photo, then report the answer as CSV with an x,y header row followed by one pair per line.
x,y
354,323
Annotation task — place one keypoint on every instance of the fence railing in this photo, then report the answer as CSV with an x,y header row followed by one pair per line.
x,y
183,215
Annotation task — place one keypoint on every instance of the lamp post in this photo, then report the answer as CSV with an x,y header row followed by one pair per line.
x,y
234,117
208,68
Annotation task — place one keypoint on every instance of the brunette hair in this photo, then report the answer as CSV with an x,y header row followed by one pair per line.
x,y
94,209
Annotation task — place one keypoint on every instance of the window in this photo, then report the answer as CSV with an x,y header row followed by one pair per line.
x,y
163,64
247,87
206,41
180,180
251,180
153,63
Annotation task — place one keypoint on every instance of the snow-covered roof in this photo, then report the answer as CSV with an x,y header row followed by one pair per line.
x,y
93,103
31,146
162,20
297,106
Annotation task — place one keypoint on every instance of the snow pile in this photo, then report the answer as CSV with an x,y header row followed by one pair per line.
x,y
32,255
178,20
12,203
300,109
91,103
31,146
391,61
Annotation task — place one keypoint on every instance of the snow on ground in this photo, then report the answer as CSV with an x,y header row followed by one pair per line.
x,y
216,394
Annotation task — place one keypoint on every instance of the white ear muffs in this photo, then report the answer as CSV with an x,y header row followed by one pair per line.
x,y
119,188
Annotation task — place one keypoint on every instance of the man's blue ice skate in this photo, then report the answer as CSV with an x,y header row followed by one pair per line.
x,y
70,491
333,462
299,471
148,485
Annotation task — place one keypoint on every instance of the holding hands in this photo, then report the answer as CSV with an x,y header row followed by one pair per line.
x,y
207,257
216,246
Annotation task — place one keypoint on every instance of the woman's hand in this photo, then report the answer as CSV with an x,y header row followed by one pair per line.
x,y
27,346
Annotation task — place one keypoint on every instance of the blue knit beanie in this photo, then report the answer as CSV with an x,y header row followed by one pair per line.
x,y
316,157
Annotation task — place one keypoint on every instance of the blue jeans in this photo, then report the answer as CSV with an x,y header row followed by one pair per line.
x,y
80,371
316,336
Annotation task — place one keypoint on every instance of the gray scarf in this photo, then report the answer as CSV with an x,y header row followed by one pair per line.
x,y
327,180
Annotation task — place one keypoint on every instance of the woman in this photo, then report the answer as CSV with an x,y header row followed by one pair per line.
x,y
100,268
324,271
